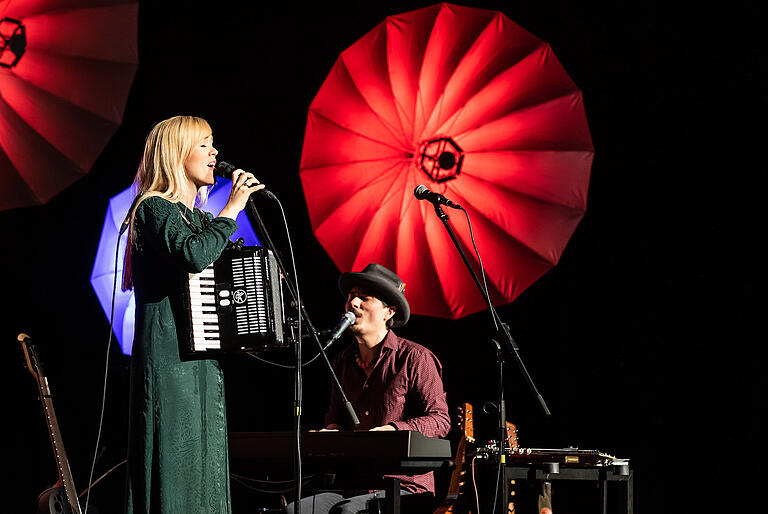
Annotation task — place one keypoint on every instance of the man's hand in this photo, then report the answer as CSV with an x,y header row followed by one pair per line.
x,y
383,428
330,428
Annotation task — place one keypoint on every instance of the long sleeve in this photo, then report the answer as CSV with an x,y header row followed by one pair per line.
x,y
426,396
162,226
336,413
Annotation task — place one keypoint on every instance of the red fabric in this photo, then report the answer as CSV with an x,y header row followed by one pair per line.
x,y
500,94
66,96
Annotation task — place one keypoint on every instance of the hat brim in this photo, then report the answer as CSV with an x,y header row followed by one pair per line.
x,y
380,286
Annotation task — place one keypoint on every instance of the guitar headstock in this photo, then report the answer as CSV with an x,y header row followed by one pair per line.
x,y
466,422
512,441
31,361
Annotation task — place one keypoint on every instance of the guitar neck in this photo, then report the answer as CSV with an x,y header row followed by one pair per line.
x,y
62,463
466,426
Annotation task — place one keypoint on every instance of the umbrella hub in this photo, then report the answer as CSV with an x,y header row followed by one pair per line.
x,y
441,159
13,40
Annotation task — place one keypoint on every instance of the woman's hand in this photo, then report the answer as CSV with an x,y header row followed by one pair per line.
x,y
243,185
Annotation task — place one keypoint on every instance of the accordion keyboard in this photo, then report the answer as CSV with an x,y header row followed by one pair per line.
x,y
235,304
205,321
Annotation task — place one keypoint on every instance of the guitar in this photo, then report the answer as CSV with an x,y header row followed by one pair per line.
x,y
61,497
467,427
512,443
545,496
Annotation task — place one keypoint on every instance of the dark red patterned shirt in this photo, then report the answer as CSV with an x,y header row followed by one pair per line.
x,y
405,390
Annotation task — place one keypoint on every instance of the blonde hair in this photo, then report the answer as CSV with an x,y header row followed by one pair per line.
x,y
162,173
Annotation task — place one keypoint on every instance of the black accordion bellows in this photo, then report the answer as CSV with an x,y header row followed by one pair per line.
x,y
235,304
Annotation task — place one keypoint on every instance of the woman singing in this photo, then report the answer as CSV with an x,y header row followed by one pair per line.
x,y
177,454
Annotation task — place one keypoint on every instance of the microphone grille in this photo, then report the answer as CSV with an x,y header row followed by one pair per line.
x,y
420,191
224,170
350,316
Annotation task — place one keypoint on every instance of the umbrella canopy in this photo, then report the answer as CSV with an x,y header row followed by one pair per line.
x,y
468,103
109,259
66,67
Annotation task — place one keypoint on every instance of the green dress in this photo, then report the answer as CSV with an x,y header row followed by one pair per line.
x,y
177,454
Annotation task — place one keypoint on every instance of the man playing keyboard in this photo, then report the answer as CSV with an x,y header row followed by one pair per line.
x,y
392,383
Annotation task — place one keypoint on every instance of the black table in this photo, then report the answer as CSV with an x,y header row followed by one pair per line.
x,y
552,472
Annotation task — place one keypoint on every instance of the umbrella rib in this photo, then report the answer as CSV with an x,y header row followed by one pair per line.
x,y
394,134
533,198
441,100
434,264
386,195
492,286
345,163
32,193
351,131
24,183
526,247
75,167
516,110
521,193
379,177
67,101
436,268
462,108
53,53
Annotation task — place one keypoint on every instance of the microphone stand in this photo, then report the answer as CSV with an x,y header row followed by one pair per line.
x,y
254,216
503,334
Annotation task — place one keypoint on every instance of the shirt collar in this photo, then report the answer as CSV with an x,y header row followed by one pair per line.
x,y
391,341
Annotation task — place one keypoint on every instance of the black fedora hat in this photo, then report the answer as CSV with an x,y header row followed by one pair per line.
x,y
386,286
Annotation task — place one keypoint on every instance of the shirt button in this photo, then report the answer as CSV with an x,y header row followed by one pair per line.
x,y
366,413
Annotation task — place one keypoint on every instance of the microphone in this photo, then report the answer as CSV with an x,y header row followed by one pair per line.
x,y
127,220
422,193
224,169
347,320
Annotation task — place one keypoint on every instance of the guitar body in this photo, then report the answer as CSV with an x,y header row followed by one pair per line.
x,y
466,425
53,501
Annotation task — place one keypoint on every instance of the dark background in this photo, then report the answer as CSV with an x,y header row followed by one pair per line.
x,y
640,340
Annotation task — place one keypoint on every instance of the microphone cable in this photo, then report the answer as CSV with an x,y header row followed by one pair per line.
x,y
290,366
298,384
106,375
496,326
480,261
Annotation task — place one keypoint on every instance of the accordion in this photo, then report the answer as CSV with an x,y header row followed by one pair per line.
x,y
235,304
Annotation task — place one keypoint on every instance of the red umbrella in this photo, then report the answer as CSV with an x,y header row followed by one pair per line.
x,y
66,67
468,103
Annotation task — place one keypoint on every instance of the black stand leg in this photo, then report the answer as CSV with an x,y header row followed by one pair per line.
x,y
603,488
392,496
